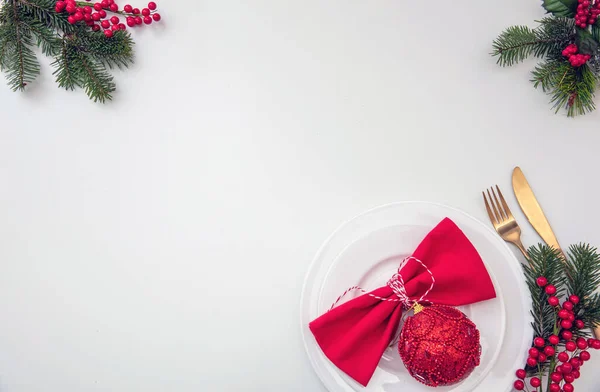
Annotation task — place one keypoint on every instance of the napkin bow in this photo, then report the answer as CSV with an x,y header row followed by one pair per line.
x,y
355,334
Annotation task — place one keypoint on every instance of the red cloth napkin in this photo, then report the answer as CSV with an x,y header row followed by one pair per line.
x,y
355,334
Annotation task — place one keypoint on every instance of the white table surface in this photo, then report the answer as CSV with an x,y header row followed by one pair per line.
x,y
159,243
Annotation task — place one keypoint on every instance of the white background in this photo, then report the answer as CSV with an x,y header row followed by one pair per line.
x,y
159,243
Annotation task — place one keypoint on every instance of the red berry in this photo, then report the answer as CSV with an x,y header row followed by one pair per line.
x,y
582,344
87,18
105,24
556,377
535,382
553,301
559,369
532,362
102,13
60,6
104,3
571,346
571,317
521,373
519,385
563,314
567,335
541,281
113,7
87,9
79,9
542,358
89,23
147,19
554,388
563,357
539,342
122,26
576,362
136,11
533,352
96,16
95,27
585,356
138,20
568,388
566,368
145,12
596,345
549,351
156,17
130,21
152,5
97,6
550,289
114,20
128,8
554,340
108,33
575,299
114,27
566,324
576,374
71,19
569,377
70,8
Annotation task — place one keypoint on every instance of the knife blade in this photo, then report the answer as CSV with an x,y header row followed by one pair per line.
x,y
532,209
535,215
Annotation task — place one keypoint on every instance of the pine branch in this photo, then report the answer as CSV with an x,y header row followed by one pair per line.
x,y
583,268
77,68
517,43
115,52
66,71
46,38
19,61
43,10
575,91
98,83
544,261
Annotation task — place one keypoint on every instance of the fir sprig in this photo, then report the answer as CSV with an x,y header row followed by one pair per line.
x,y
583,268
517,43
544,261
80,56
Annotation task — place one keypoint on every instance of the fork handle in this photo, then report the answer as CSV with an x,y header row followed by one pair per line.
x,y
519,245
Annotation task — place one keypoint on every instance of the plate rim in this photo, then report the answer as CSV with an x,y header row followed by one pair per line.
x,y
325,243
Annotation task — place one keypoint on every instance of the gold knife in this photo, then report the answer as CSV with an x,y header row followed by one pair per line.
x,y
533,211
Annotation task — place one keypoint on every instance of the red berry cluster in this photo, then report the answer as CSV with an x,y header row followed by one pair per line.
x,y
576,60
574,355
96,17
587,13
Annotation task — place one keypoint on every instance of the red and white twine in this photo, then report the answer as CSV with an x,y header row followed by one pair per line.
x,y
396,283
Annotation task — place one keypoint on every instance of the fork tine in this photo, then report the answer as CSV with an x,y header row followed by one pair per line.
x,y
506,209
489,210
498,216
503,215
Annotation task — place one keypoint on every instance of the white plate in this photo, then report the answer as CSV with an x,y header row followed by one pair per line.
x,y
367,250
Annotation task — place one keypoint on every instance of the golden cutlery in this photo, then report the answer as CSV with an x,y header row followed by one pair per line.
x,y
503,220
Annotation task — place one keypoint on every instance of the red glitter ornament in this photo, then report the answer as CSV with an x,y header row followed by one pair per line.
x,y
439,345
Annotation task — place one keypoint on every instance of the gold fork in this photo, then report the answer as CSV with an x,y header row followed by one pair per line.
x,y
503,220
